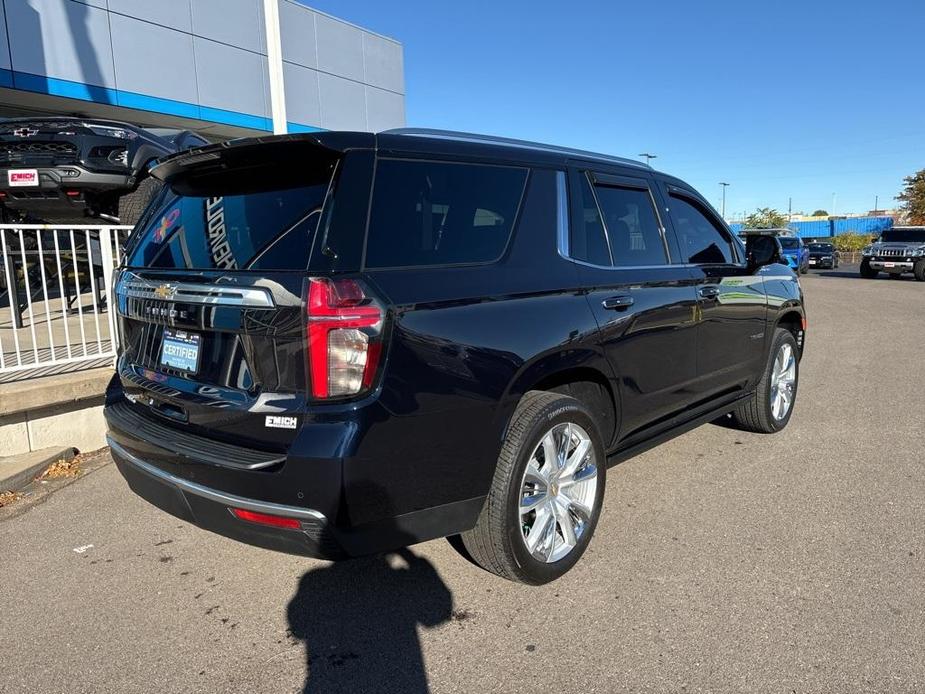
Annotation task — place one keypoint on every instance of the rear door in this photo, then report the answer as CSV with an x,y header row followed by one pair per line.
x,y
210,301
644,303
731,300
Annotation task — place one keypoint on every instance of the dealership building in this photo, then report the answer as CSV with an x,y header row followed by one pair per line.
x,y
205,65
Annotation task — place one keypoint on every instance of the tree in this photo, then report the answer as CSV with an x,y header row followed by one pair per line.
x,y
819,213
765,218
913,198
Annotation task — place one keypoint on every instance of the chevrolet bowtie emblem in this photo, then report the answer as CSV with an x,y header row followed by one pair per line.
x,y
25,132
165,291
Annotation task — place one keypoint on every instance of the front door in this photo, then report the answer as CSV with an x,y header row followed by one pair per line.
x,y
731,299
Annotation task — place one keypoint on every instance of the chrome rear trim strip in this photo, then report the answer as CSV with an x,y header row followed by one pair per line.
x,y
218,497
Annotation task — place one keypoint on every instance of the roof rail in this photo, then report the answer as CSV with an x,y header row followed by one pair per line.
x,y
511,142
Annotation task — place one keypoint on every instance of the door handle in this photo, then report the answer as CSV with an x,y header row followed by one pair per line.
x,y
709,292
618,303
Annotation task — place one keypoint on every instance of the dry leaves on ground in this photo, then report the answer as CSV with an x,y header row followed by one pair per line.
x,y
62,468
7,498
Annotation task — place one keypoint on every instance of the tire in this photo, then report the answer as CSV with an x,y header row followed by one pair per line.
x,y
919,270
133,204
867,272
757,413
498,542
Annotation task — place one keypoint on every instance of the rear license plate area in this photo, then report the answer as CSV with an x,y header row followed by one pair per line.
x,y
180,350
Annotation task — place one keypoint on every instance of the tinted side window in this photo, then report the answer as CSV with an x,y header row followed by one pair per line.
x,y
587,241
701,240
431,213
632,227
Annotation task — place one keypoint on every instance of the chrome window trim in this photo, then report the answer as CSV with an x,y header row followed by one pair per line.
x,y
213,494
132,286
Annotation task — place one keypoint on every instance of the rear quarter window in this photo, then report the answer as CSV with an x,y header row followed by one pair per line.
x,y
427,213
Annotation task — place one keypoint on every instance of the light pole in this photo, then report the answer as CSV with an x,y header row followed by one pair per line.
x,y
724,185
648,157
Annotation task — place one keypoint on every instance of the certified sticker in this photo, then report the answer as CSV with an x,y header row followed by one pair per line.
x,y
277,422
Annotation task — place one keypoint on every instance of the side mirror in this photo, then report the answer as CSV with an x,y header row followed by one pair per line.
x,y
762,250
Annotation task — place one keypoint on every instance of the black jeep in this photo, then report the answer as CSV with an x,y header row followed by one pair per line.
x,y
60,169
343,343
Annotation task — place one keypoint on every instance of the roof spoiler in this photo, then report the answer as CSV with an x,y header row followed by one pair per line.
x,y
274,159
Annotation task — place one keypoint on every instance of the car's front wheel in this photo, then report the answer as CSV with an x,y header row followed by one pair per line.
x,y
867,272
919,270
769,408
546,495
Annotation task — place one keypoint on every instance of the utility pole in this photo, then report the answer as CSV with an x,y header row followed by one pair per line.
x,y
876,204
275,65
724,185
789,210
648,157
834,200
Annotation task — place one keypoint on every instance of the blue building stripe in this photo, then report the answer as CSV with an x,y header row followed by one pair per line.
x,y
57,87
299,128
142,102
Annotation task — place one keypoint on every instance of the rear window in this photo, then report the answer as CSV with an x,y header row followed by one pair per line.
x,y
433,213
788,242
266,230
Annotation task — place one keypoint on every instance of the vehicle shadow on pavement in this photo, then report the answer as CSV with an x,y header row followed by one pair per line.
x,y
358,620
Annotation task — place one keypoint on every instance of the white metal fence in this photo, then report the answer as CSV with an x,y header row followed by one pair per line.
x,y
55,297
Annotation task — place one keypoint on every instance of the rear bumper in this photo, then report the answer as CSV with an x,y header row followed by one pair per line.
x,y
211,509
342,504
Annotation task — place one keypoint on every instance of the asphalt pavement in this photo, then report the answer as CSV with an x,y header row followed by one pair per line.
x,y
724,561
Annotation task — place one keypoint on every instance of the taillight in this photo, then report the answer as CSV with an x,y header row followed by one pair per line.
x,y
344,337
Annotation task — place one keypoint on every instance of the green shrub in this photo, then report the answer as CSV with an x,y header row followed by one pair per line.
x,y
851,241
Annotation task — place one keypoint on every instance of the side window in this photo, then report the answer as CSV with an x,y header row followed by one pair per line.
x,y
701,240
432,213
632,228
587,240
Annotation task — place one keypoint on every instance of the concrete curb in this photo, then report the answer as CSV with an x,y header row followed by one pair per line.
x,y
17,471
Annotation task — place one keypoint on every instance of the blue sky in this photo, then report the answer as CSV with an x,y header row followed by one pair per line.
x,y
784,99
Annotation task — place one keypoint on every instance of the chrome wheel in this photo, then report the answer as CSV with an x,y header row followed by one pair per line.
x,y
558,492
783,382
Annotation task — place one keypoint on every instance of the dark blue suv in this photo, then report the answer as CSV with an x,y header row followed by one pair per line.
x,y
342,343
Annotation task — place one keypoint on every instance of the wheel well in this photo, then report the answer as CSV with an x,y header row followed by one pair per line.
x,y
591,388
793,322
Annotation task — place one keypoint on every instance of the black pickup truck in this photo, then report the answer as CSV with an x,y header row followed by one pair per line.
x,y
61,168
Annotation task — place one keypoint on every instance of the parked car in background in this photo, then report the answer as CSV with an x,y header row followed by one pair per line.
x,y
419,334
823,255
796,254
58,169
898,251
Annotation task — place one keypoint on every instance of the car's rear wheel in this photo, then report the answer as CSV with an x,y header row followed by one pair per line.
x,y
769,408
867,272
546,495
